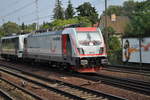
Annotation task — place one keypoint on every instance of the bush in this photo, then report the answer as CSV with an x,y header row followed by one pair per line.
x,y
115,52
115,56
76,20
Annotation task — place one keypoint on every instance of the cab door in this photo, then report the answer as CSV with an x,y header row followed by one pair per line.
x,y
66,46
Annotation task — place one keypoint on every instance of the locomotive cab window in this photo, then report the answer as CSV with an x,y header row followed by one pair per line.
x,y
10,43
88,38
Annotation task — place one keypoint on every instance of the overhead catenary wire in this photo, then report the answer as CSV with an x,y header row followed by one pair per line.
x,y
10,5
18,9
29,14
21,18
37,14
42,17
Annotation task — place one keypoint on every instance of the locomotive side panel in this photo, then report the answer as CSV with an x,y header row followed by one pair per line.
x,y
44,47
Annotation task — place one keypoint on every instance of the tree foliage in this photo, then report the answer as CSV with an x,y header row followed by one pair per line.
x,y
30,27
114,43
129,8
109,29
87,10
115,52
140,21
84,20
139,15
114,10
58,10
9,28
2,32
59,24
69,12
46,25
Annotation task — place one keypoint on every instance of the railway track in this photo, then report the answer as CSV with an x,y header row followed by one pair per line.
x,y
66,89
130,84
5,95
128,69
35,96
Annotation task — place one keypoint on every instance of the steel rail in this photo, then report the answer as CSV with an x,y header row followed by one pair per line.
x,y
128,69
133,67
43,85
6,95
131,84
23,89
97,93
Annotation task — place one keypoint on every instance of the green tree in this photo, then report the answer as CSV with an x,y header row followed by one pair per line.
x,y
140,21
58,10
110,30
118,10
129,8
46,25
10,27
114,43
30,27
2,33
22,26
69,12
86,10
83,20
115,52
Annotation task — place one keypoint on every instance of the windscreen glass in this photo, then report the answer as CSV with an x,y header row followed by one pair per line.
x,y
89,38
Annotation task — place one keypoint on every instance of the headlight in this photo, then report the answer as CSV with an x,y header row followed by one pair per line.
x,y
84,62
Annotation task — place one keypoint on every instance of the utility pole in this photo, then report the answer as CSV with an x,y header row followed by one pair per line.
x,y
140,50
37,14
106,33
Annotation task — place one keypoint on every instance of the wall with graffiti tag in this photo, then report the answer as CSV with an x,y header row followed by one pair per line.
x,y
131,50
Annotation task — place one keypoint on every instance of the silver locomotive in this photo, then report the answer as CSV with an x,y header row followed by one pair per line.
x,y
81,49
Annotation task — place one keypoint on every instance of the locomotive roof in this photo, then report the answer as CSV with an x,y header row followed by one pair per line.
x,y
13,36
46,33
66,30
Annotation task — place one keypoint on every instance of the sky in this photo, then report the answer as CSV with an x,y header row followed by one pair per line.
x,y
26,11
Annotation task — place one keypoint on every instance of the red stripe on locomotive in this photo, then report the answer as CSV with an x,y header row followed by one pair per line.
x,y
86,29
64,43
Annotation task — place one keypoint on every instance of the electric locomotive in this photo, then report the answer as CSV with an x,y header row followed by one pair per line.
x,y
81,49
12,46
